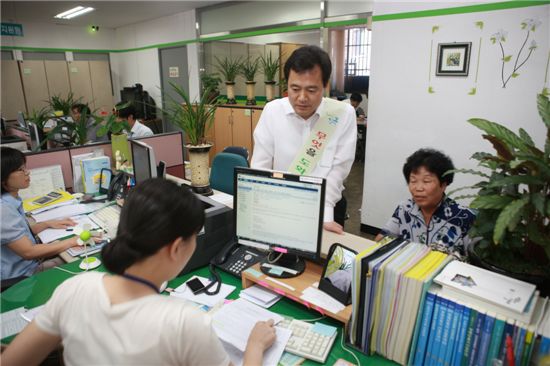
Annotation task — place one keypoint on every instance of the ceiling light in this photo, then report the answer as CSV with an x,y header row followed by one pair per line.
x,y
74,12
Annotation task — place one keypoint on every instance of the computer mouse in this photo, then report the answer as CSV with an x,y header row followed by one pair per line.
x,y
89,263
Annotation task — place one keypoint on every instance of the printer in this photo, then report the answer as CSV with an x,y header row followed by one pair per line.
x,y
216,233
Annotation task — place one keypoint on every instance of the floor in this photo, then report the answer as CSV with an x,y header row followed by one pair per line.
x,y
354,196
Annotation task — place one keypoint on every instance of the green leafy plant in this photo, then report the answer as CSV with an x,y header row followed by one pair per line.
x,y
110,124
270,66
58,103
77,131
211,82
249,68
229,68
39,117
513,201
195,119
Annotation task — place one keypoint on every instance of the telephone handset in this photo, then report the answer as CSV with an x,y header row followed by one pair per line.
x,y
118,187
235,258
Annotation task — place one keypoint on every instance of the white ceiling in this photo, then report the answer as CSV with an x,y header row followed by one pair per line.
x,y
107,14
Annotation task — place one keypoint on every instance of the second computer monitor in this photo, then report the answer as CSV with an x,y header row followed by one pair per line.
x,y
143,159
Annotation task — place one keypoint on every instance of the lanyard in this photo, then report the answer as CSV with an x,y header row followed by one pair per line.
x,y
140,280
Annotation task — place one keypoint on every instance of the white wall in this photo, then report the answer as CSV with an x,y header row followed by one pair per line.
x,y
404,117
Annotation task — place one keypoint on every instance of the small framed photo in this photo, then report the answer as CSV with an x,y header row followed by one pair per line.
x,y
453,59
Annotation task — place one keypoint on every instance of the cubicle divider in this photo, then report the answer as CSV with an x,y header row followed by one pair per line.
x,y
167,146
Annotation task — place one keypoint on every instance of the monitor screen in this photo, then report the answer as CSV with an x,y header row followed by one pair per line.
x,y
35,137
21,120
279,210
143,160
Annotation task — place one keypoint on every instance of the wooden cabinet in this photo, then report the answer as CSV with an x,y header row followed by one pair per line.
x,y
13,99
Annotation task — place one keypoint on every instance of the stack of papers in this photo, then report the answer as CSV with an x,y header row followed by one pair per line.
x,y
322,300
183,292
66,211
49,235
260,296
12,322
31,204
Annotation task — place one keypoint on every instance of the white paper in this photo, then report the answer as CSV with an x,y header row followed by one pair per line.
x,y
30,314
271,356
12,322
66,211
260,296
322,300
183,292
223,198
234,321
52,206
49,235
43,181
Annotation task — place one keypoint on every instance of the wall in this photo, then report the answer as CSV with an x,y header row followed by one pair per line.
x,y
404,116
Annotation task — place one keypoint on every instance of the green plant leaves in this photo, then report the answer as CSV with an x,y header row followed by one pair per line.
x,y
543,106
500,133
467,171
515,74
507,58
479,24
491,202
508,218
513,180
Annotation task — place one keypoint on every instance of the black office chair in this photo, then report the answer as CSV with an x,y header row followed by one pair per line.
x,y
239,150
361,142
6,284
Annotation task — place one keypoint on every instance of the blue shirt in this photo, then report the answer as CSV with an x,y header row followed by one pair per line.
x,y
14,227
449,224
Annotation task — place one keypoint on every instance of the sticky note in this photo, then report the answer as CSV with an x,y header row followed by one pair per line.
x,y
323,329
276,271
254,273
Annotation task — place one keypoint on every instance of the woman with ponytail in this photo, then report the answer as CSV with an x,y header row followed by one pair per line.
x,y
121,318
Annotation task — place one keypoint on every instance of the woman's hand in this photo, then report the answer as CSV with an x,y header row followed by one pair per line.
x,y
262,335
61,224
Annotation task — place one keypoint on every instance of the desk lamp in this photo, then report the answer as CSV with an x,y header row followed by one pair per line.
x,y
85,238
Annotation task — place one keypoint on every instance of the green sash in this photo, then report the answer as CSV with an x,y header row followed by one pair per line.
x,y
309,155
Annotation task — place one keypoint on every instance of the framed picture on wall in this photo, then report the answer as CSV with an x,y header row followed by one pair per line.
x,y
453,59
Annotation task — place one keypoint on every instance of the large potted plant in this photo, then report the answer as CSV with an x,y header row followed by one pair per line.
x,y
210,82
195,119
62,106
229,69
249,68
270,66
513,202
76,131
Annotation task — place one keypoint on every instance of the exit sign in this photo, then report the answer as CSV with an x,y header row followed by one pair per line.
x,y
12,29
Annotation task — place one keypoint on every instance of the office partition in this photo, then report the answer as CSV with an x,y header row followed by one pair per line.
x,y
59,156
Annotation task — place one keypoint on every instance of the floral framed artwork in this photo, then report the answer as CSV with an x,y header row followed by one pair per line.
x,y
453,59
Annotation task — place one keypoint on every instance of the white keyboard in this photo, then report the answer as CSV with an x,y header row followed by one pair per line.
x,y
108,218
312,341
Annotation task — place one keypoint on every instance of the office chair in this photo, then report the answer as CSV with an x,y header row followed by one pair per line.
x,y
239,150
221,174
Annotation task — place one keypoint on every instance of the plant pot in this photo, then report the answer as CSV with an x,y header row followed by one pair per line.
x,y
230,85
542,282
200,175
250,98
269,91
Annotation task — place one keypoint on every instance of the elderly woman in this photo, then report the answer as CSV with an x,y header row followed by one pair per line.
x,y
430,216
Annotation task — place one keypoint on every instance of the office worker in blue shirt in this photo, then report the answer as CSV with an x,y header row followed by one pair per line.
x,y
120,318
21,255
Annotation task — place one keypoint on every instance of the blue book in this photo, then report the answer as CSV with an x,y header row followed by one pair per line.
x,y
436,344
469,337
496,339
508,331
476,340
445,332
461,336
459,308
518,350
425,329
486,335
544,348
437,314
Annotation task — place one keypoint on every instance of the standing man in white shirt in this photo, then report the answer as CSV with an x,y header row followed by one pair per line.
x,y
138,129
308,134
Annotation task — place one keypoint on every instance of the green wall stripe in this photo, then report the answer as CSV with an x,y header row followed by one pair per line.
x,y
460,10
198,40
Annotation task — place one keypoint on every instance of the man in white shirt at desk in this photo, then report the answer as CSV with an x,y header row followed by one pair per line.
x,y
307,134
127,112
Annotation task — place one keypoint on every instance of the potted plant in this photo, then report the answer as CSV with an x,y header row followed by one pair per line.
x,y
270,66
76,131
62,106
249,68
195,119
39,118
210,82
513,221
229,69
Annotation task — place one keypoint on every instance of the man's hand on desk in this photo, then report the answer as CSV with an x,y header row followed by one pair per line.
x,y
61,224
334,227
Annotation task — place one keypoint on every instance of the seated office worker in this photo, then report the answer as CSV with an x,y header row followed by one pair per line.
x,y
127,112
307,134
21,255
91,126
430,216
355,99
116,319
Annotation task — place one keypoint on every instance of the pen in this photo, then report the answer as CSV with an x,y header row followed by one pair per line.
x,y
70,229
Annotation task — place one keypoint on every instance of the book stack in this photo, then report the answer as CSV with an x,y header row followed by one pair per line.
x,y
473,316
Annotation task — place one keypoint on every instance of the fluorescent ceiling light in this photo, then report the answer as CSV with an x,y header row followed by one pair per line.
x,y
74,12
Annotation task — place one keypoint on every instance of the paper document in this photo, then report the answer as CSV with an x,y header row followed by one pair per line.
x,y
260,296
223,198
12,322
271,356
183,292
322,300
30,314
66,211
234,321
49,235
43,181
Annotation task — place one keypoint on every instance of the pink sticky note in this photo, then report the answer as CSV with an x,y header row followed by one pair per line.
x,y
280,292
280,250
262,283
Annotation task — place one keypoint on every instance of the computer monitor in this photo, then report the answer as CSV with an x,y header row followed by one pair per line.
x,y
280,212
21,121
35,137
143,160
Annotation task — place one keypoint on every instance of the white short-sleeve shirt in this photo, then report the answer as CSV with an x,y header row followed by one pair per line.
x,y
140,130
151,330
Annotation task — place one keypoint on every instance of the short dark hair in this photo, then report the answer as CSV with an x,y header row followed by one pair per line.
x,y
433,160
12,159
356,97
155,213
80,107
306,58
126,109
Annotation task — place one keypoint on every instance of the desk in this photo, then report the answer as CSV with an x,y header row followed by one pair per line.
x,y
36,290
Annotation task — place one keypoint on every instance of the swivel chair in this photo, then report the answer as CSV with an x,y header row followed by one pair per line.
x,y
239,150
221,174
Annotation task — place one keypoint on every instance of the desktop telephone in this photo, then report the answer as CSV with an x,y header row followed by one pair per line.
x,y
118,188
235,258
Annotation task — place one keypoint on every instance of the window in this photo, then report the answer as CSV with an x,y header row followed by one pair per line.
x,y
358,41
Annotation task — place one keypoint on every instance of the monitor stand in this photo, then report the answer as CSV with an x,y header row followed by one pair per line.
x,y
296,264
